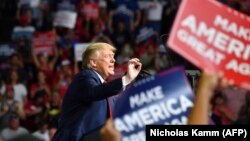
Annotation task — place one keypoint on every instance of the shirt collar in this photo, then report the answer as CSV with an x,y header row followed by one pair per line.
x,y
99,76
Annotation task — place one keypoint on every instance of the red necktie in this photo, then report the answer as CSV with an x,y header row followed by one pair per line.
x,y
109,105
110,108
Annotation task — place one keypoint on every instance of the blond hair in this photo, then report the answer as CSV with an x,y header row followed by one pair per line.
x,y
92,52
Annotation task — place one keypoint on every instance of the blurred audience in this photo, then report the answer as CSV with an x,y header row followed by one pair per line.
x,y
8,107
222,114
244,112
135,28
42,133
14,129
20,90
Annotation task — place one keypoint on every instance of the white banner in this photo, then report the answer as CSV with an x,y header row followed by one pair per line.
x,y
79,49
65,19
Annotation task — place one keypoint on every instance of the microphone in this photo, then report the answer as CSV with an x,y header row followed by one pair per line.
x,y
143,74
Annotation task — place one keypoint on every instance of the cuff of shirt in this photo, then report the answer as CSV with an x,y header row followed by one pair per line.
x,y
124,83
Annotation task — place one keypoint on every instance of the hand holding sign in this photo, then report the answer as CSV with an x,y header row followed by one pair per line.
x,y
109,132
208,84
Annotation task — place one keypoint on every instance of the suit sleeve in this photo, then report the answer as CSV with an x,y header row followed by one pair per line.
x,y
90,90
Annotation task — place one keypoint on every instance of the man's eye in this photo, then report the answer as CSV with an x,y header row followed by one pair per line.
x,y
109,56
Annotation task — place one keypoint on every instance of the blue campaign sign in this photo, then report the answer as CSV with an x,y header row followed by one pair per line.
x,y
165,98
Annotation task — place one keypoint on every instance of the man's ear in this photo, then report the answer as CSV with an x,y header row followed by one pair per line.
x,y
92,63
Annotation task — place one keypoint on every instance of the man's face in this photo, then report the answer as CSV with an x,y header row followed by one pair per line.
x,y
14,123
10,94
105,62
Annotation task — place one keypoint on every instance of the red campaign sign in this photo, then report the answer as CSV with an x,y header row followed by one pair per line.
x,y
44,42
90,10
215,38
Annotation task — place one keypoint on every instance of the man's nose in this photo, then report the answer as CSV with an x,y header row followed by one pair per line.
x,y
112,59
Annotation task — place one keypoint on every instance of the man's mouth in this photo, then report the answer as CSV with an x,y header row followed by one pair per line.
x,y
111,67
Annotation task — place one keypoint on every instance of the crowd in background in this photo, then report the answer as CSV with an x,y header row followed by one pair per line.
x,y
32,85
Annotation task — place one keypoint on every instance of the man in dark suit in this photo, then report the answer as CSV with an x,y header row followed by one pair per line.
x,y
88,102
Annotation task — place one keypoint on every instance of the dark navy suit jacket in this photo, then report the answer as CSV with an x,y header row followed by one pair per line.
x,y
84,107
